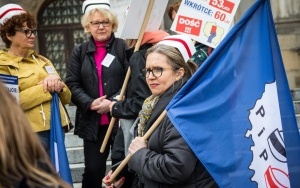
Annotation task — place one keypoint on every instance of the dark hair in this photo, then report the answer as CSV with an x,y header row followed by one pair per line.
x,y
173,7
175,59
14,23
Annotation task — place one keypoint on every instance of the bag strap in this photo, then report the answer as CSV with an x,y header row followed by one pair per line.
x,y
120,52
83,51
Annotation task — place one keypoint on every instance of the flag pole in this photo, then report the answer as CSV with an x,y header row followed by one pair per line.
x,y
136,48
145,137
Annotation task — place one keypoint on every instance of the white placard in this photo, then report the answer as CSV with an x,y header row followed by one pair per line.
x,y
108,60
136,15
11,83
206,21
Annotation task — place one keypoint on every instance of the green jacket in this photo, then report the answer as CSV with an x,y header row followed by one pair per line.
x,y
33,100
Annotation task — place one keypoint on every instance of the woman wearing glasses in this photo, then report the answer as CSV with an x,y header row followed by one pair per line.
x,y
95,76
166,160
37,77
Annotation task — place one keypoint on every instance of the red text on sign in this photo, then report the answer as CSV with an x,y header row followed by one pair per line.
x,y
188,25
224,5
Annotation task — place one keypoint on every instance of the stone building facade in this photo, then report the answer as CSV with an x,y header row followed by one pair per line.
x,y
52,44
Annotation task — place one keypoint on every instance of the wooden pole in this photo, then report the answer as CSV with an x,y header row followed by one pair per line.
x,y
145,137
136,48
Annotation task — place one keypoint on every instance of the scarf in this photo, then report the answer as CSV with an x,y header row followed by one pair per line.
x,y
146,112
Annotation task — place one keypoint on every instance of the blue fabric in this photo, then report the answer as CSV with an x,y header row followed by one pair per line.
x,y
58,152
217,111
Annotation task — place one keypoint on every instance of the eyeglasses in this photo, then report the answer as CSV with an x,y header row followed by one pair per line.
x,y
97,24
156,71
28,32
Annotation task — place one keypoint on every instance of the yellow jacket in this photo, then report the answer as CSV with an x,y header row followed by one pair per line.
x,y
33,100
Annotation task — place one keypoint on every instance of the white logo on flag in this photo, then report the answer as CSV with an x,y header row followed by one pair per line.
x,y
269,156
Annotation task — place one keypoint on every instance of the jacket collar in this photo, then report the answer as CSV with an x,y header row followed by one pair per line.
x,y
92,48
11,60
164,101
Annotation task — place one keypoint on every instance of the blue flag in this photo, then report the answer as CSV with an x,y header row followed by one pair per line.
x,y
58,152
236,112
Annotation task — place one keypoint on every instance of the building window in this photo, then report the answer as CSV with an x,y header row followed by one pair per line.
x,y
59,31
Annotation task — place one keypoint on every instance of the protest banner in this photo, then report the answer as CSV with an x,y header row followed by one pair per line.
x,y
206,21
136,16
11,83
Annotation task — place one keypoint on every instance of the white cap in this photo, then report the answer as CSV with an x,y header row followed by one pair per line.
x,y
91,4
183,43
9,10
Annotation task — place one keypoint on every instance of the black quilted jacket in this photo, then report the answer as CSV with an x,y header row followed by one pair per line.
x,y
137,89
82,80
168,161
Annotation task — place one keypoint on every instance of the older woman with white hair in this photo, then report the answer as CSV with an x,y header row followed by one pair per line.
x,y
95,76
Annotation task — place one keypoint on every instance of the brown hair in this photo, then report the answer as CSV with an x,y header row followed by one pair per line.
x,y
22,156
173,7
175,59
14,23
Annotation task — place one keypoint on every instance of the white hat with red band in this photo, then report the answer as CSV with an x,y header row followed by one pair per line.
x,y
183,43
9,10
91,4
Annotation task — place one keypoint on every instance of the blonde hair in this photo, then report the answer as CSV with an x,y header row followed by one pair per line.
x,y
86,18
22,155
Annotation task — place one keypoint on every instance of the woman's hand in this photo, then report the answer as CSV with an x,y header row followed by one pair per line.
x,y
52,83
104,106
116,184
137,144
101,105
95,104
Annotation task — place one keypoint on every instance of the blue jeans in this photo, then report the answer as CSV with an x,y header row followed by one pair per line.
x,y
45,139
